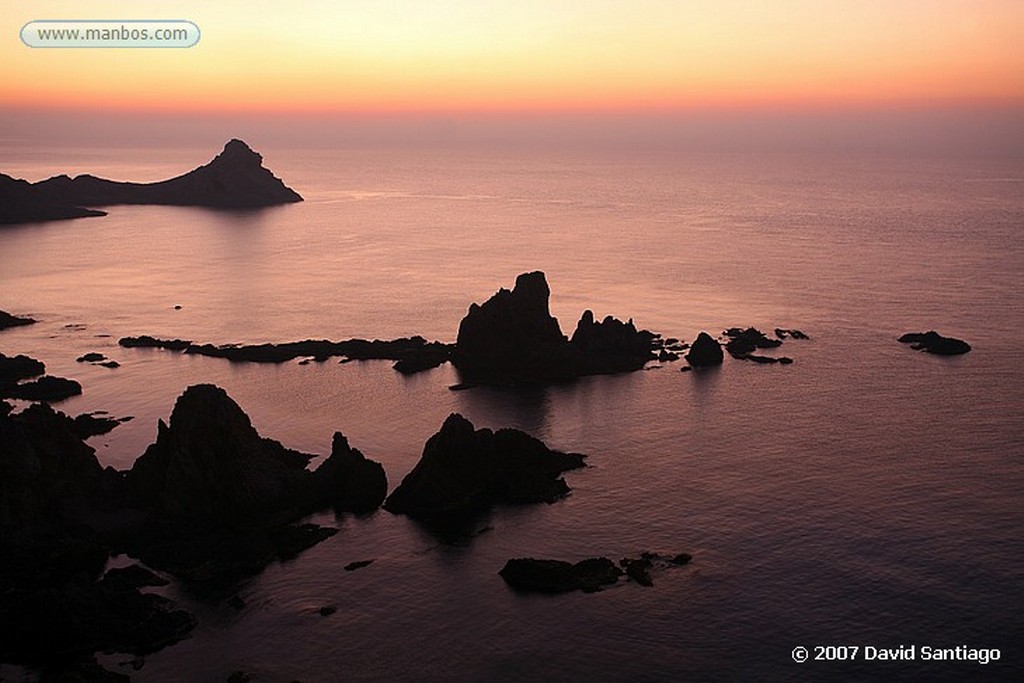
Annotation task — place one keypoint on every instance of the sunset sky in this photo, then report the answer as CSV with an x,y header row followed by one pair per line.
x,y
529,55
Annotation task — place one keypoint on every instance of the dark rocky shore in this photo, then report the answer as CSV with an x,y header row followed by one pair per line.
x,y
210,501
234,179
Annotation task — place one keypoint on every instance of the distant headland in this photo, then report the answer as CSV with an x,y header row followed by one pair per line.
x,y
234,179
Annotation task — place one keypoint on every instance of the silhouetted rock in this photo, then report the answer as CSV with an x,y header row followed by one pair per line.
x,y
933,342
743,342
220,499
610,346
46,388
147,342
92,424
210,465
513,338
349,481
638,569
6,319
16,368
91,357
358,564
413,354
463,469
24,202
793,334
556,576
705,351
234,179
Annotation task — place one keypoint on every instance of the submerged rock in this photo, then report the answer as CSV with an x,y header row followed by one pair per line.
x,y
463,470
705,351
933,342
556,576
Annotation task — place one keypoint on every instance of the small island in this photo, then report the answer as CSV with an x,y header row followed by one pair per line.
x,y
234,179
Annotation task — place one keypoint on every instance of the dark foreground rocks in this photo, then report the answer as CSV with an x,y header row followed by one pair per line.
x,y
933,342
211,501
513,338
234,179
531,575
464,470
220,499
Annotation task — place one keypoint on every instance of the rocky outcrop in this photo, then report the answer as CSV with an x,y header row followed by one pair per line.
x,y
933,342
463,470
611,345
209,465
743,342
513,338
234,179
513,334
412,354
557,576
348,480
24,202
705,351
15,369
6,319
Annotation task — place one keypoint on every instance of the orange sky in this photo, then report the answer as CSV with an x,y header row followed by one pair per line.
x,y
536,55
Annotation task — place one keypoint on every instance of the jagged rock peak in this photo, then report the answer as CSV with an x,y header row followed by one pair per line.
x,y
238,152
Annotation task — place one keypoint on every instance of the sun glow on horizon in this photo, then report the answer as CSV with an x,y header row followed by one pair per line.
x,y
530,55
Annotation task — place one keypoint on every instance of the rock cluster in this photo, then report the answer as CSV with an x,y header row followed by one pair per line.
x,y
513,338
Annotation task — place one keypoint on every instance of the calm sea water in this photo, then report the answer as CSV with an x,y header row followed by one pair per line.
x,y
865,495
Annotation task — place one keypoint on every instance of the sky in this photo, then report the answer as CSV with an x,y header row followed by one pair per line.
x,y
546,55
393,58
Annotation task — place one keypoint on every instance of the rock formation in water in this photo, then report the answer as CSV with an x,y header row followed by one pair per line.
x,y
933,342
234,179
6,319
412,354
705,351
531,575
557,576
56,504
210,466
13,370
611,345
464,470
25,202
512,337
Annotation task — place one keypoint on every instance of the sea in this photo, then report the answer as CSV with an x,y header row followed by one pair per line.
x,y
866,496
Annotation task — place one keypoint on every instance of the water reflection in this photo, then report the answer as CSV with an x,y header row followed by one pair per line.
x,y
526,408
